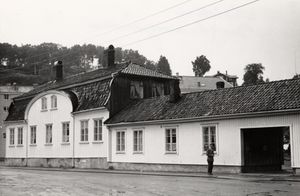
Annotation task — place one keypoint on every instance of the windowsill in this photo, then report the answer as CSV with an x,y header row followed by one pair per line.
x,y
120,152
52,109
138,153
97,142
11,146
32,145
171,152
20,145
83,142
44,110
49,144
65,143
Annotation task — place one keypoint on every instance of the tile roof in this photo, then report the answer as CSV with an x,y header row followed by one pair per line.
x,y
134,69
91,88
272,96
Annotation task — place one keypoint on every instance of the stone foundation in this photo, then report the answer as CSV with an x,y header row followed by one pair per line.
x,y
100,163
172,167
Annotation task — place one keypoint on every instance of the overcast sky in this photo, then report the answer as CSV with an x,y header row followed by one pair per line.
x,y
267,31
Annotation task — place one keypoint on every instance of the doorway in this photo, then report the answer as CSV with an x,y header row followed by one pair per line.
x,y
265,149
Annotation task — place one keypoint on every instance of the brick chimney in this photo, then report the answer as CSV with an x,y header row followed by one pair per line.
x,y
59,71
109,57
174,91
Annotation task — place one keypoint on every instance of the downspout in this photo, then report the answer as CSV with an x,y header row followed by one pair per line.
x,y
26,143
73,153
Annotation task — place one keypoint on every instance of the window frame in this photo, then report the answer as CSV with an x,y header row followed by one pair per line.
x,y
44,104
65,132
12,136
122,148
49,141
138,142
203,126
84,131
6,96
20,136
53,102
33,139
171,141
98,137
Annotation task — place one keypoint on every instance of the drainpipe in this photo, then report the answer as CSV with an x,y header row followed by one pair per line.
x,y
26,143
73,153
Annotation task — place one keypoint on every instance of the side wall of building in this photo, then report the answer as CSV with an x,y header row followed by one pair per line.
x,y
190,142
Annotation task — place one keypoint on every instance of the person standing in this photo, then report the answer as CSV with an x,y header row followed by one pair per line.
x,y
210,158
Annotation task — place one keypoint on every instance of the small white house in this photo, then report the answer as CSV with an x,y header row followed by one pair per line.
x,y
247,126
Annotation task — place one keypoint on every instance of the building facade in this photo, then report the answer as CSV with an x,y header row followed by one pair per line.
x,y
247,126
60,123
7,93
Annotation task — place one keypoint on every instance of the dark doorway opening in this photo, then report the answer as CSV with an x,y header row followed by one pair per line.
x,y
266,149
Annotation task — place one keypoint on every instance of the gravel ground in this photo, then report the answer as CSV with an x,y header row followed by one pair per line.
x,y
35,182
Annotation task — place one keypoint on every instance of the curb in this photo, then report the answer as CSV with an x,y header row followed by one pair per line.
x,y
245,177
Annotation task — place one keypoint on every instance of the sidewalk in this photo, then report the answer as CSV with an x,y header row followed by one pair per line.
x,y
240,176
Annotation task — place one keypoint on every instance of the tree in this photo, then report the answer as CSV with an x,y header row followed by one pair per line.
x,y
253,74
201,65
163,66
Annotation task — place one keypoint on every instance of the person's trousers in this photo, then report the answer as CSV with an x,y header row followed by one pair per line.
x,y
210,166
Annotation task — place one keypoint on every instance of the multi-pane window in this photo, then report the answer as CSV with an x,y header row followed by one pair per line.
x,y
84,131
157,89
120,141
209,137
98,130
137,141
44,103
66,132
53,101
6,96
171,140
33,135
20,135
11,136
49,134
136,89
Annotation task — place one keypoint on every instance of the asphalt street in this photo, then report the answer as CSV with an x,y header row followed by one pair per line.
x,y
35,182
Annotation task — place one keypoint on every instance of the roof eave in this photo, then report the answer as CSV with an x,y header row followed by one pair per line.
x,y
209,118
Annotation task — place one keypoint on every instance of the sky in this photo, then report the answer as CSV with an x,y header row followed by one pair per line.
x,y
265,31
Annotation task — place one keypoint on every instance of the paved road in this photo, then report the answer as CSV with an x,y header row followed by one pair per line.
x,y
34,182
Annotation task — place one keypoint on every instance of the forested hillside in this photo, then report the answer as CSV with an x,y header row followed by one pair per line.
x,y
28,64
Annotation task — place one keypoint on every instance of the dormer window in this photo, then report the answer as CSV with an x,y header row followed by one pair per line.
x,y
44,103
136,89
53,102
157,89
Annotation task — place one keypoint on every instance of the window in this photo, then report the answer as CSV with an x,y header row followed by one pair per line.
x,y
4,135
49,134
44,103
20,135
53,102
98,130
66,132
11,136
33,135
120,141
6,96
5,108
209,137
136,89
157,89
138,141
199,84
171,140
84,133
